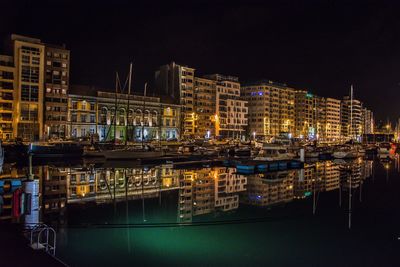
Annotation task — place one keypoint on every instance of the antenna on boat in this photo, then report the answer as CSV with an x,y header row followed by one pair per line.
x,y
351,111
127,109
115,108
144,110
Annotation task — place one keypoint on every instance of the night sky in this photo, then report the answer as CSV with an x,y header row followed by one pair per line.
x,y
321,47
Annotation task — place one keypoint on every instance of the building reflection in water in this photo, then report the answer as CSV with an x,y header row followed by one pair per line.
x,y
206,190
198,191
285,186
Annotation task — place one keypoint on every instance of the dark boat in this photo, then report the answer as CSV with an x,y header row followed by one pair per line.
x,y
58,150
15,151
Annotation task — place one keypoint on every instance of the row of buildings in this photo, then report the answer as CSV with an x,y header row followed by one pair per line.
x,y
37,102
218,105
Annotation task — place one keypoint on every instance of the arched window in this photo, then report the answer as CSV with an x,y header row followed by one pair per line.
x,y
138,117
154,118
147,117
130,119
121,117
103,115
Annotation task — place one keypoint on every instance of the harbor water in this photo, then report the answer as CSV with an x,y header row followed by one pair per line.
x,y
329,213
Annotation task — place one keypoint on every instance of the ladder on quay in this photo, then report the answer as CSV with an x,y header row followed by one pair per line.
x,y
43,237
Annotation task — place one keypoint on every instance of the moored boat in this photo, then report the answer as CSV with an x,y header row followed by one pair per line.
x,y
345,153
55,149
271,152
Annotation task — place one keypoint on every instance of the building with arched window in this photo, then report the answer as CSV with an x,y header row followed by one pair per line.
x,y
94,112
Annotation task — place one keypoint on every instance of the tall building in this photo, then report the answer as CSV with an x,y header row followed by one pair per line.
x,y
351,118
368,121
34,75
7,97
328,119
57,88
205,107
231,109
305,115
271,108
177,82
28,56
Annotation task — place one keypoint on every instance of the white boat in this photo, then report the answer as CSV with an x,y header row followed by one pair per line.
x,y
271,152
345,153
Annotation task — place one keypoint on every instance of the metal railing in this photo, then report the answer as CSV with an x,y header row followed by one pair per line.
x,y
43,237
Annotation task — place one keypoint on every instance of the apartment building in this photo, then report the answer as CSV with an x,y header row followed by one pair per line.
x,y
231,109
82,115
57,67
7,97
28,54
34,87
368,121
177,81
270,107
328,119
306,115
351,119
205,107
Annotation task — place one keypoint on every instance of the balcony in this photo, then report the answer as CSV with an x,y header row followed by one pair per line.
x,y
6,118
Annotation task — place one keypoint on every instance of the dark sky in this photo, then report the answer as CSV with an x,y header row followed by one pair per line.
x,y
322,46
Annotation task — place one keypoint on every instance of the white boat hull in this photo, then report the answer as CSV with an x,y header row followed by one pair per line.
x,y
345,155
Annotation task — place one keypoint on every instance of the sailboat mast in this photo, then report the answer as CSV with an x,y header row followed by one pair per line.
x,y
127,109
115,108
351,111
144,109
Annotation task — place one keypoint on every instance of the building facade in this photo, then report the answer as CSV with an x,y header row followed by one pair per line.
x,y
82,116
107,116
57,88
306,115
34,87
368,121
7,97
205,107
328,120
231,109
351,119
271,108
177,82
28,56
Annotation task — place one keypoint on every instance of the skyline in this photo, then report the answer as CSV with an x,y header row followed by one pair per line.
x,y
323,48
